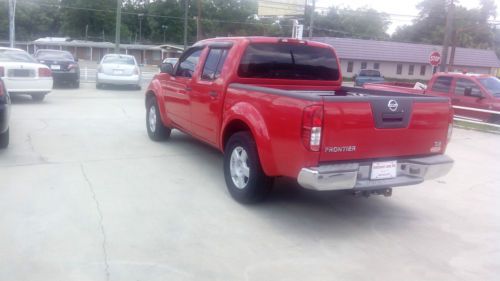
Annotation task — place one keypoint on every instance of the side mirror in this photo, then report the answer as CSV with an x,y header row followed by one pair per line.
x,y
167,68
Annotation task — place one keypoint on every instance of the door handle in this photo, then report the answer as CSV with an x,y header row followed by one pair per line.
x,y
213,94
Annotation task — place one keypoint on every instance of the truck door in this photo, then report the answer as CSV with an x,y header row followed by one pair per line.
x,y
461,99
177,89
207,96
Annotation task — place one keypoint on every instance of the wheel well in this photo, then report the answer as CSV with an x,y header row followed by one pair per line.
x,y
232,128
149,95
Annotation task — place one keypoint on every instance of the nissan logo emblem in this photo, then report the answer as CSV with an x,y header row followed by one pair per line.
x,y
392,105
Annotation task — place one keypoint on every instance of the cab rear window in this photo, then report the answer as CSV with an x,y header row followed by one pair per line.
x,y
288,61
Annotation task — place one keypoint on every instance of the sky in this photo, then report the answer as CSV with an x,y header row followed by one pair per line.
x,y
402,10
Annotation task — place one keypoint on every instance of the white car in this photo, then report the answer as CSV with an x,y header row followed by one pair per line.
x,y
117,69
22,74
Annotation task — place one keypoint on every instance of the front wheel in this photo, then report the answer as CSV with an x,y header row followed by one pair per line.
x,y
156,130
243,173
4,139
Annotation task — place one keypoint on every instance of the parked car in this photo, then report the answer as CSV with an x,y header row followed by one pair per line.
x,y
367,76
118,69
64,66
478,91
22,74
4,115
276,108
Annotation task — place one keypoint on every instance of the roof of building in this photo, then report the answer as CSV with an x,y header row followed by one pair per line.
x,y
371,50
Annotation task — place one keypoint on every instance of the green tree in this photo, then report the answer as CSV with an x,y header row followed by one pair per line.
x,y
98,15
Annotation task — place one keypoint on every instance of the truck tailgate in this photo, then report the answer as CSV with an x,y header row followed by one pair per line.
x,y
371,127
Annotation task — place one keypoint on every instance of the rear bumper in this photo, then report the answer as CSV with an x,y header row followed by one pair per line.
x,y
28,85
356,175
65,76
118,80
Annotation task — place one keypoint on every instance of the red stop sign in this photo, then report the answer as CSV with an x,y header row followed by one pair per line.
x,y
435,58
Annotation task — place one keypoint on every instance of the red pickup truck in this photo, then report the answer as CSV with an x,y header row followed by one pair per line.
x,y
466,90
276,108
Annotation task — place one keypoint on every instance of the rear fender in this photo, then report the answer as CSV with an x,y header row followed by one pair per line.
x,y
254,121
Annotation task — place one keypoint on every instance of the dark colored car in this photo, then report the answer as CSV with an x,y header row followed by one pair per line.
x,y
64,66
4,116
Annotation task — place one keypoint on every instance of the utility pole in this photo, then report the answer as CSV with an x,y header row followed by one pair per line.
x,y
140,26
165,27
198,23
311,20
118,26
186,7
87,32
12,23
447,36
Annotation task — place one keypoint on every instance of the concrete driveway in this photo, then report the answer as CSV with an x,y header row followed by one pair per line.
x,y
85,195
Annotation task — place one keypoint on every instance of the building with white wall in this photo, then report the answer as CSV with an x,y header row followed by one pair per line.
x,y
405,60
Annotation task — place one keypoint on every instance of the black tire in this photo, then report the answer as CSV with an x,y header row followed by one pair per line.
x,y
156,131
38,97
4,139
137,87
254,187
76,84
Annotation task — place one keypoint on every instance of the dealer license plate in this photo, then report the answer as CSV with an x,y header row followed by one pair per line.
x,y
384,170
55,67
117,72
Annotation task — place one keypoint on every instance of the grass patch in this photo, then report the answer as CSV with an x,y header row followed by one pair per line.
x,y
476,127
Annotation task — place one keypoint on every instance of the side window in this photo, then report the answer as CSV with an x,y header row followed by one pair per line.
x,y
213,64
442,84
462,84
188,64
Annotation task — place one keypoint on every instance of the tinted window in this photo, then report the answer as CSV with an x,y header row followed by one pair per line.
x,y
214,63
462,84
287,61
47,55
442,84
16,56
369,73
188,64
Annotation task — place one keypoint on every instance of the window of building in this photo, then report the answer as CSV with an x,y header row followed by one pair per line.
x,y
463,84
376,65
213,64
363,65
350,66
156,55
422,70
399,69
442,84
411,69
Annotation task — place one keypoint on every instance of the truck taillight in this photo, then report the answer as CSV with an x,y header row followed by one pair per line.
x,y
44,72
2,71
1,89
312,122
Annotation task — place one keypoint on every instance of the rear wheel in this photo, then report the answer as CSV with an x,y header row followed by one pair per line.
x,y
4,139
38,97
76,84
156,130
243,173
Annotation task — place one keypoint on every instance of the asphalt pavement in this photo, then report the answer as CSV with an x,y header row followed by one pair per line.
x,y
85,195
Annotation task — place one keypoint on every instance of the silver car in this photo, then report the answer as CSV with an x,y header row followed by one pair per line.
x,y
118,69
